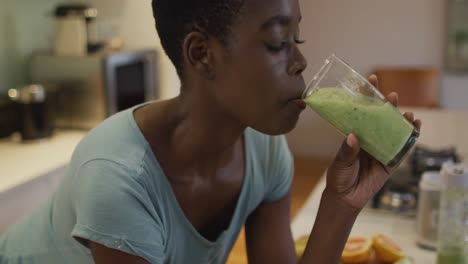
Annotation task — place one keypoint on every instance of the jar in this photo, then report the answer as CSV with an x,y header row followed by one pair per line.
x,y
427,218
453,215
34,110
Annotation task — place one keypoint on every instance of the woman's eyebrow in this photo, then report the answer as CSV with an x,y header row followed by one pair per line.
x,y
281,20
276,20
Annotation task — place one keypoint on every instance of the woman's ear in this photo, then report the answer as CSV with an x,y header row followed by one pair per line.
x,y
198,54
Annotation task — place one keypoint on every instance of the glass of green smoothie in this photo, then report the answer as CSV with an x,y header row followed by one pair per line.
x,y
350,103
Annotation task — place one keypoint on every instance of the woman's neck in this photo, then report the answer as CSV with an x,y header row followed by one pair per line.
x,y
201,130
191,134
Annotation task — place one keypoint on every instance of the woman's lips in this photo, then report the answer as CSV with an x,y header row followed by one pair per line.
x,y
300,103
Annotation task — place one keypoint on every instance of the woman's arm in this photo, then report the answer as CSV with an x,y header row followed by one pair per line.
x,y
331,229
268,234
105,255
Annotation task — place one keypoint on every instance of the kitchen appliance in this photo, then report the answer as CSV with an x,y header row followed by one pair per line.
x,y
91,88
428,209
76,30
34,111
8,117
400,193
425,159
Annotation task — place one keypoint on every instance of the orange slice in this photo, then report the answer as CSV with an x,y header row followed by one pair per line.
x,y
357,250
300,245
387,250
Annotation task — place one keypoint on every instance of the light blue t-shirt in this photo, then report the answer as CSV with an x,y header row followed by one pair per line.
x,y
115,193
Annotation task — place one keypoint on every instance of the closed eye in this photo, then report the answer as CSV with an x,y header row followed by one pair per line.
x,y
283,45
299,41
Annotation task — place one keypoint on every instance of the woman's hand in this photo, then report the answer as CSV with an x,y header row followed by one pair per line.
x,y
355,177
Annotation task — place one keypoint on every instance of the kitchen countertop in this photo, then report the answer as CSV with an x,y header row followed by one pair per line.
x,y
23,162
370,222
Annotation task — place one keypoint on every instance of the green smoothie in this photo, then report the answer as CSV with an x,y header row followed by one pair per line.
x,y
379,127
451,258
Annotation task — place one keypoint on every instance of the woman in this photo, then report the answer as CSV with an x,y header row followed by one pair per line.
x,y
174,181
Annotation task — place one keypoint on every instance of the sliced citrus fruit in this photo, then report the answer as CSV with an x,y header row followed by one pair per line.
x,y
404,261
357,250
386,250
300,245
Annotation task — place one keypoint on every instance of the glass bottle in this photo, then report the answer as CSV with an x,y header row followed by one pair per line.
x,y
453,215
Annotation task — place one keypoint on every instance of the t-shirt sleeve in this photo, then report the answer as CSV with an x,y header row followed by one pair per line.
x,y
280,169
113,209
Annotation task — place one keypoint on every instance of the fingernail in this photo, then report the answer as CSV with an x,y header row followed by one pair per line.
x,y
349,142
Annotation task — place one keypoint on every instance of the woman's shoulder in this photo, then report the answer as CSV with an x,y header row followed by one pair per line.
x,y
115,141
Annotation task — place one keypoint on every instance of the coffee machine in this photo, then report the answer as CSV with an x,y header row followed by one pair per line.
x,y
76,30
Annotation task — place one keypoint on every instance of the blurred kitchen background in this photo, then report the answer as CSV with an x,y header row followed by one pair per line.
x,y
67,65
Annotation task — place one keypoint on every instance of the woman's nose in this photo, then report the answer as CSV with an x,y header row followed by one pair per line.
x,y
298,63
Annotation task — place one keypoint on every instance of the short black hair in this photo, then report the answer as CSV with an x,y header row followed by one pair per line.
x,y
175,19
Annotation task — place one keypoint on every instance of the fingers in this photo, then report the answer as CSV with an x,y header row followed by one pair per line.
x,y
348,152
410,117
418,124
353,143
374,80
393,99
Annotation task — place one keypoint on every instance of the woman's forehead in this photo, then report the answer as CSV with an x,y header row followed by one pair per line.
x,y
259,14
265,9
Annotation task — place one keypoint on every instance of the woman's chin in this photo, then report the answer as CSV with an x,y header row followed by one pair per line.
x,y
280,127
288,128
